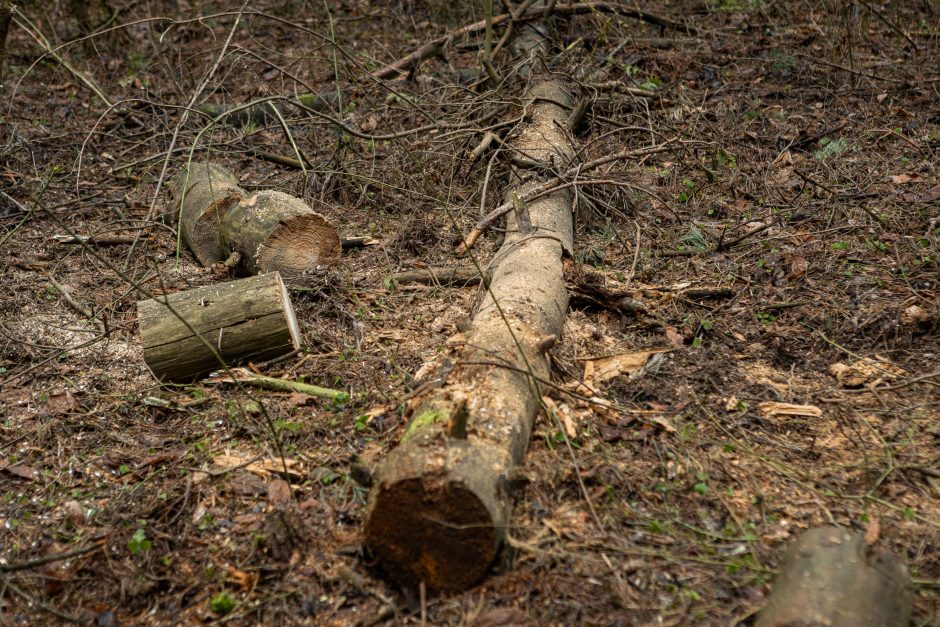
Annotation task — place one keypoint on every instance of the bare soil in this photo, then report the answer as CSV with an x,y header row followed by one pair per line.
x,y
798,185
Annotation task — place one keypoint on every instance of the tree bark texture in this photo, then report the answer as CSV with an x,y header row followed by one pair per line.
x,y
832,578
245,320
272,231
440,502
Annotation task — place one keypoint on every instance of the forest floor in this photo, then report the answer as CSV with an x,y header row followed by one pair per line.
x,y
782,248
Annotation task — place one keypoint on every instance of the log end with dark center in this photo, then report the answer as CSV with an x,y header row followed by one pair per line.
x,y
431,530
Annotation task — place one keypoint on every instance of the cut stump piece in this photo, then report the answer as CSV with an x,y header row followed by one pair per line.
x,y
206,192
274,231
246,320
831,577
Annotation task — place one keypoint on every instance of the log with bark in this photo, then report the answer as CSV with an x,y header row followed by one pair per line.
x,y
189,334
440,502
270,230
832,577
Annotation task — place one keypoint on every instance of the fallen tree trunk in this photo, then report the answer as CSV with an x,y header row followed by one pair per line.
x,y
440,502
832,577
246,320
270,230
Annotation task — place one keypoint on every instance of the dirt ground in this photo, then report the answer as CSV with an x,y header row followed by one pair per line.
x,y
782,248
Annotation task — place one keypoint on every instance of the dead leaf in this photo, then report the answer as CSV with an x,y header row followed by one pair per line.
x,y
562,412
789,409
674,337
902,179
607,368
914,315
368,125
872,531
20,470
279,493
798,267
62,404
662,422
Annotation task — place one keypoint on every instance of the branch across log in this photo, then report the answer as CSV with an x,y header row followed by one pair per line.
x,y
831,576
440,502
246,320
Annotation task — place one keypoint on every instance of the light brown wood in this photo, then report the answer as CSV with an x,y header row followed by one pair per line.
x,y
831,577
241,321
440,502
274,231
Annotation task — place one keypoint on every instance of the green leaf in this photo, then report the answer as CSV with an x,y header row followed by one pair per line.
x,y
139,543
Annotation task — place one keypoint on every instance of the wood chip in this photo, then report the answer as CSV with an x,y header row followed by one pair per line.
x,y
789,409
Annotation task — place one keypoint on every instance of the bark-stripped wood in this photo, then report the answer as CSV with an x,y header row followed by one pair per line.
x,y
440,502
832,577
246,320
272,231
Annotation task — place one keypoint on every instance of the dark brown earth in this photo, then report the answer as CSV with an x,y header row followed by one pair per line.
x,y
799,187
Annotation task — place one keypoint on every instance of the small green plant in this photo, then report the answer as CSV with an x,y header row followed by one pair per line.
x,y
764,318
840,245
782,62
362,422
139,543
695,239
830,148
702,486
222,604
686,194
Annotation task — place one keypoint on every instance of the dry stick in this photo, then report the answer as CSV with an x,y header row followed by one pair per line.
x,y
549,186
23,22
437,45
179,126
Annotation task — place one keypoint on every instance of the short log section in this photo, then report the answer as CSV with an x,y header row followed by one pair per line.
x,y
440,502
205,192
832,577
184,335
272,231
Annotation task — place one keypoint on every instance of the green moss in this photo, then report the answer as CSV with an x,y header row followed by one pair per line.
x,y
422,421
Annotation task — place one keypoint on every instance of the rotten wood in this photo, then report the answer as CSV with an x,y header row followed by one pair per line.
x,y
245,320
440,502
832,577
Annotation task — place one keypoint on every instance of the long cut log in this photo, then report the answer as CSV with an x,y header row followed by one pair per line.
x,y
831,577
246,320
440,502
